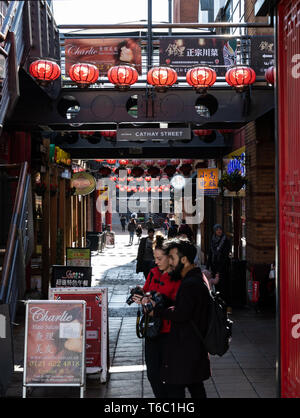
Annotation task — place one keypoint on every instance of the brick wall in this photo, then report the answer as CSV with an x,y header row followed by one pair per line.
x,y
260,193
185,11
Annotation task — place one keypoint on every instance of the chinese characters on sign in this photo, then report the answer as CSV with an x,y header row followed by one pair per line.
x,y
208,179
80,257
182,54
104,53
71,276
262,53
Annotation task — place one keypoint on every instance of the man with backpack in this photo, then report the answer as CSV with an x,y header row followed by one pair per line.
x,y
186,361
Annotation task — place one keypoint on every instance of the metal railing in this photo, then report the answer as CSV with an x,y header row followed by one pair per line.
x,y
20,242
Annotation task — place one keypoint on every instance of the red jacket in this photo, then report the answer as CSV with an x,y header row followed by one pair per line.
x,y
161,283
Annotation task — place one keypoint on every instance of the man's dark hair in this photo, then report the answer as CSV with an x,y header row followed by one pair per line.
x,y
151,230
184,248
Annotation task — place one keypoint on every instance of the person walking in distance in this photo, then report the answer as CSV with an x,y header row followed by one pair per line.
x,y
185,359
131,228
123,222
145,256
218,262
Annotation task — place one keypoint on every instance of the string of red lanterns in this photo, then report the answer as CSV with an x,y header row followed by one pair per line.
x,y
123,76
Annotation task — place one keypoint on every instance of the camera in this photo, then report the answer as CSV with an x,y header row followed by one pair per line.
x,y
157,298
135,291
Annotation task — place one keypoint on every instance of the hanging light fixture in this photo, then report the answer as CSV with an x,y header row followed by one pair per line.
x,y
122,76
202,132
44,71
84,74
270,75
161,78
240,77
201,78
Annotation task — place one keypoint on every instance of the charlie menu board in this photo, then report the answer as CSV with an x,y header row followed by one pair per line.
x,y
54,343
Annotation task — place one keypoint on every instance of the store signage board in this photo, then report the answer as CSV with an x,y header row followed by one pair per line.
x,y
184,53
54,351
71,276
207,179
262,53
175,134
103,52
79,257
83,182
96,324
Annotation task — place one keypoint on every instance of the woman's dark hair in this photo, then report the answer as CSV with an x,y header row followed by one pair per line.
x,y
158,242
184,247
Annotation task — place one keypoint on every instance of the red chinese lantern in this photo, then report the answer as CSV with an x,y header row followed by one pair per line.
x,y
84,74
87,133
270,75
108,134
202,132
111,161
225,131
201,78
161,77
187,161
162,163
122,76
44,71
185,169
240,77
123,162
137,171
136,162
148,178
170,170
153,171
149,163
175,162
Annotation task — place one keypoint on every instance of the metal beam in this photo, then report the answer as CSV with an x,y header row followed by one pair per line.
x,y
221,106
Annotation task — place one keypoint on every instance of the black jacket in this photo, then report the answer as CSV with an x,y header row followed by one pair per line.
x,y
140,255
218,255
185,359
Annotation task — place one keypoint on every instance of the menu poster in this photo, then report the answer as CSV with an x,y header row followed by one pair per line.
x,y
103,52
71,276
96,324
183,54
80,257
54,343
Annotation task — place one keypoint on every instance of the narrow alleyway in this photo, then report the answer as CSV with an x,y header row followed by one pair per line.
x,y
246,371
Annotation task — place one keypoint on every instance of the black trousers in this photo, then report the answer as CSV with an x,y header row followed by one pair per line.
x,y
153,359
197,391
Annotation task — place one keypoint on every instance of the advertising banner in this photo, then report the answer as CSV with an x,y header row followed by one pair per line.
x,y
183,54
96,324
54,343
79,257
104,53
71,276
208,179
262,53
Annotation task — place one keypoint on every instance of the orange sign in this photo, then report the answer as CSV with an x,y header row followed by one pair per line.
x,y
104,53
208,179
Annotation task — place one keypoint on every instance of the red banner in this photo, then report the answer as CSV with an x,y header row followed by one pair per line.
x,y
104,53
96,321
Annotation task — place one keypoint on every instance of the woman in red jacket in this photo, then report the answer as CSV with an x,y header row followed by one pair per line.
x,y
158,280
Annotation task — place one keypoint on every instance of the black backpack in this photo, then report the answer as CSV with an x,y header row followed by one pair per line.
x,y
219,331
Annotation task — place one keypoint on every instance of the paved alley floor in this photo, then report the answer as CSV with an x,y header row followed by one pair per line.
x,y
247,370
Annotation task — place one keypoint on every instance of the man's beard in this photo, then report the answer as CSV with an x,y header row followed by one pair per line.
x,y
176,273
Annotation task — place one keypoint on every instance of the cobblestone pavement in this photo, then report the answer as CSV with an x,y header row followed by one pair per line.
x,y
247,370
